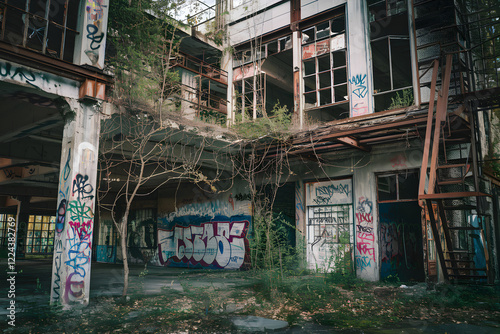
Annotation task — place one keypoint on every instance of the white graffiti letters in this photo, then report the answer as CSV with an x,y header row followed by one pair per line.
x,y
220,243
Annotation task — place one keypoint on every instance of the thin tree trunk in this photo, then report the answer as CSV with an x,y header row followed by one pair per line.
x,y
124,252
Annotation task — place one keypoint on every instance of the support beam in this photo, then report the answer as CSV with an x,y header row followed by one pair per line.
x,y
441,108
428,132
354,143
437,239
75,208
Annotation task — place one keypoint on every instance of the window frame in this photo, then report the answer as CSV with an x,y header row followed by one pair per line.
x,y
47,24
318,47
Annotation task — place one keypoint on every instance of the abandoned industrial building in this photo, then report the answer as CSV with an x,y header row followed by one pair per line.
x,y
389,165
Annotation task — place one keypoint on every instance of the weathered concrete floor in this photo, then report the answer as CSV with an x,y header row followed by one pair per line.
x,y
34,278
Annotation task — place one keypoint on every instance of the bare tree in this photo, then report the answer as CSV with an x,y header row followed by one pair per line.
x,y
140,153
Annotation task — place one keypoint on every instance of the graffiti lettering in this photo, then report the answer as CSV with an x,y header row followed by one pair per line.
x,y
326,220
79,245
219,244
365,238
82,187
96,39
333,189
10,174
364,217
24,75
363,262
365,229
359,85
79,212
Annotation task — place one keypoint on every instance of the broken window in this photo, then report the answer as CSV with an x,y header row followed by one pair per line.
x,y
324,66
40,237
48,26
390,48
399,186
249,92
263,78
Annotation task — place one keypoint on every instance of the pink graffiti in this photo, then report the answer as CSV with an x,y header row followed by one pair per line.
x,y
75,288
359,109
366,248
366,237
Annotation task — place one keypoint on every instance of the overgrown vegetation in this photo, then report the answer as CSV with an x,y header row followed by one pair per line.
x,y
276,126
402,101
142,41
209,301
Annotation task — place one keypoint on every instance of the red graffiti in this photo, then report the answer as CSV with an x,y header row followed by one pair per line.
x,y
366,248
399,161
364,217
366,236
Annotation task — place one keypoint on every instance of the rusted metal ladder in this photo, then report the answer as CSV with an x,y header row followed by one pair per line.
x,y
456,263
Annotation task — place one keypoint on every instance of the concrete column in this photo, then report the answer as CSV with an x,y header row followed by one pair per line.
x,y
366,225
92,25
298,109
76,206
227,65
359,60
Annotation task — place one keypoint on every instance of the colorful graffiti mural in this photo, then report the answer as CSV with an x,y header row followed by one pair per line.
x,y
214,244
205,235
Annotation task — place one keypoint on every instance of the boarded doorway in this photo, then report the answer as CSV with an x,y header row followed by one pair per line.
x,y
330,236
400,227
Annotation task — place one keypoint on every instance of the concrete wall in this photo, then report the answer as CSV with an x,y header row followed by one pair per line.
x,y
267,21
309,8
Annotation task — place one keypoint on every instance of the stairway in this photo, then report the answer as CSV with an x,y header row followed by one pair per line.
x,y
450,186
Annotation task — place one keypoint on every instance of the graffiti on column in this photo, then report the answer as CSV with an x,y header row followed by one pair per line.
x,y
359,90
365,237
79,237
60,222
94,29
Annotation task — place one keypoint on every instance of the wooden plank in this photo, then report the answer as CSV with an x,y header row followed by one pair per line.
x,y
430,115
437,239
354,143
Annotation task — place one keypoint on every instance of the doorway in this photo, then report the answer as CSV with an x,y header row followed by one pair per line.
x,y
400,231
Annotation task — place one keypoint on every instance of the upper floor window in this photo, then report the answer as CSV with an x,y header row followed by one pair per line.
x,y
47,26
390,48
263,78
324,67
